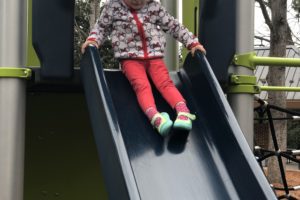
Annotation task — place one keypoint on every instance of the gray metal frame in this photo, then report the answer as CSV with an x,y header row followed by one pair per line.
x,y
242,104
13,28
171,52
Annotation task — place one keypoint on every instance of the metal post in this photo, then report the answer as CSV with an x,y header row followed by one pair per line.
x,y
12,99
242,104
171,51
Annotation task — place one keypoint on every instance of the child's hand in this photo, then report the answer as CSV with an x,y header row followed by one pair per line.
x,y
87,43
198,47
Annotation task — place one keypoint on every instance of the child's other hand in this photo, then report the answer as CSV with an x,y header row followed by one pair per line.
x,y
198,47
87,43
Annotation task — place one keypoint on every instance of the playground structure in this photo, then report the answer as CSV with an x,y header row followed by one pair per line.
x,y
263,154
49,154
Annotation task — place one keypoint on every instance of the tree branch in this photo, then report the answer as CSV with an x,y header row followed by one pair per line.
x,y
264,11
289,38
261,38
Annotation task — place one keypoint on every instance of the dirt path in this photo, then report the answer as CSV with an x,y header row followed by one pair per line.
x,y
293,179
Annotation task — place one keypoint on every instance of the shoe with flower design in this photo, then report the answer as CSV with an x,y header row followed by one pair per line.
x,y
184,121
162,123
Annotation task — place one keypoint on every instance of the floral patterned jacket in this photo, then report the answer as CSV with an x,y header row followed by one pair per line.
x,y
139,34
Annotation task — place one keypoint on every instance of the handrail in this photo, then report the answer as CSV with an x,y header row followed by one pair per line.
x,y
279,88
15,72
250,60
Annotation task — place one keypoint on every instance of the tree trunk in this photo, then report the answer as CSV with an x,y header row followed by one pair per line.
x,y
276,77
95,12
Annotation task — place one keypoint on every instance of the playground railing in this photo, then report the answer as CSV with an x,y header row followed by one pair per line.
x,y
262,154
247,84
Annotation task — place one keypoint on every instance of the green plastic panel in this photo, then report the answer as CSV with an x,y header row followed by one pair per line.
x,y
61,161
32,59
188,14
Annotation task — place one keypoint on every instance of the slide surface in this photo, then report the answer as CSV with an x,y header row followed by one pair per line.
x,y
212,162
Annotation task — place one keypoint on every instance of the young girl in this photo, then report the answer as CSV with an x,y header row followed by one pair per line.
x,y
136,28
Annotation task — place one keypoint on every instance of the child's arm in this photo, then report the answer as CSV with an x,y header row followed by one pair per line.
x,y
172,26
101,29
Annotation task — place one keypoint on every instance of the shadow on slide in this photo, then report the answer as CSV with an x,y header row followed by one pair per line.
x,y
213,161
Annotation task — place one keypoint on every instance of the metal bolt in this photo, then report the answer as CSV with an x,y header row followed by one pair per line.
x,y
236,79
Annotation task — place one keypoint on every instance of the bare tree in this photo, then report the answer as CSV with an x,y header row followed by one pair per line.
x,y
276,76
280,36
86,14
95,11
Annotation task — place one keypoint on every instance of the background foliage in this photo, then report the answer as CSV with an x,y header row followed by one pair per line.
x,y
82,26
293,140
296,7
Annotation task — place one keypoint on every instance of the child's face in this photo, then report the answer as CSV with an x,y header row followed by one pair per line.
x,y
136,4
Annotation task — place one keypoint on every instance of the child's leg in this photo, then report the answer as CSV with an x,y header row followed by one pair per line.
x,y
161,79
136,74
181,107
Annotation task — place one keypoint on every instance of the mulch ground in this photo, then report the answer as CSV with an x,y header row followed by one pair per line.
x,y
293,179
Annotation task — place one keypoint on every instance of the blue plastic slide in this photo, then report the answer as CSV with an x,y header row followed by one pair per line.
x,y
212,162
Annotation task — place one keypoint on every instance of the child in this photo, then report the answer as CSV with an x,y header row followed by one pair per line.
x,y
136,29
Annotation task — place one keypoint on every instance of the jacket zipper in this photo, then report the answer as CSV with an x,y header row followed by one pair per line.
x,y
141,32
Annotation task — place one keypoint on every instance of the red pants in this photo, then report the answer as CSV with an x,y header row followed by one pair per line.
x,y
136,72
